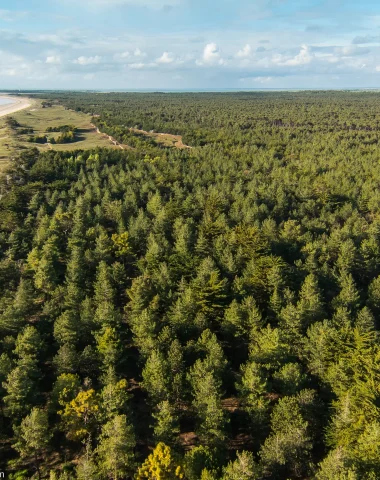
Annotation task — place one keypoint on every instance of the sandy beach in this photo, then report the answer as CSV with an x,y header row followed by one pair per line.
x,y
16,105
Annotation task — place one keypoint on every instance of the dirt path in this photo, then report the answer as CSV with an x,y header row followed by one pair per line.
x,y
111,139
177,139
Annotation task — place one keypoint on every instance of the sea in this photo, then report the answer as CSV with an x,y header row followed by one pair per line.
x,y
6,101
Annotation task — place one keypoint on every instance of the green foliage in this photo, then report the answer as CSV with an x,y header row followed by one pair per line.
x,y
243,468
115,449
197,460
223,299
33,436
287,449
166,426
20,388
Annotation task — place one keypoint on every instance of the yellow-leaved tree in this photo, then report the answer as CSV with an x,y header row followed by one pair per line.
x,y
79,414
160,465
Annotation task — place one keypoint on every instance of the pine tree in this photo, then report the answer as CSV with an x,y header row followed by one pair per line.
x,y
33,437
144,328
337,466
108,346
106,313
214,360
155,377
348,296
87,468
115,449
66,328
310,304
20,387
114,395
28,343
210,290
75,276
207,394
287,449
243,468
374,295
176,368
46,277
253,391
66,360
243,320
166,428
198,459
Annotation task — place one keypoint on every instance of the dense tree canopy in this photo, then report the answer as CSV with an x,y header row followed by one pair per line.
x,y
208,313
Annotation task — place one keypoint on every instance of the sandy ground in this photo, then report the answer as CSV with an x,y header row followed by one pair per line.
x,y
16,105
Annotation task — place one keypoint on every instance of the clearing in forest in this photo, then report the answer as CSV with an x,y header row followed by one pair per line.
x,y
36,120
164,139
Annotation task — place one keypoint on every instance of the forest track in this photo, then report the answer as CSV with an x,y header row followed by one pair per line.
x,y
112,139
177,139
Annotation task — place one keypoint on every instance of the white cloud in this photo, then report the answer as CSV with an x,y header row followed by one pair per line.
x,y
244,52
139,53
378,68
136,66
257,79
303,58
165,58
53,59
211,55
13,65
121,55
140,66
10,72
351,51
88,60
262,79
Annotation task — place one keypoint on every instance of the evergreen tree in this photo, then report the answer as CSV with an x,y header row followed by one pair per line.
x,y
33,437
207,403
21,389
115,450
87,468
166,428
106,313
243,468
156,378
287,449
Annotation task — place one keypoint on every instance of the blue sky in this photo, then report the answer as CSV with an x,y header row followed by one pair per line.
x,y
185,44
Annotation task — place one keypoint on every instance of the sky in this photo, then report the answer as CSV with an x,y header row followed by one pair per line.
x,y
189,44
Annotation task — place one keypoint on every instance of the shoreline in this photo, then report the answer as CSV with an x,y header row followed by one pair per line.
x,y
16,105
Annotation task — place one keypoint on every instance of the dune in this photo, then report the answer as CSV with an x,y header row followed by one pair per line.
x,y
17,104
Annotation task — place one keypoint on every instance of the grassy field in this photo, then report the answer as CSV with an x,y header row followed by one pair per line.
x,y
40,119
